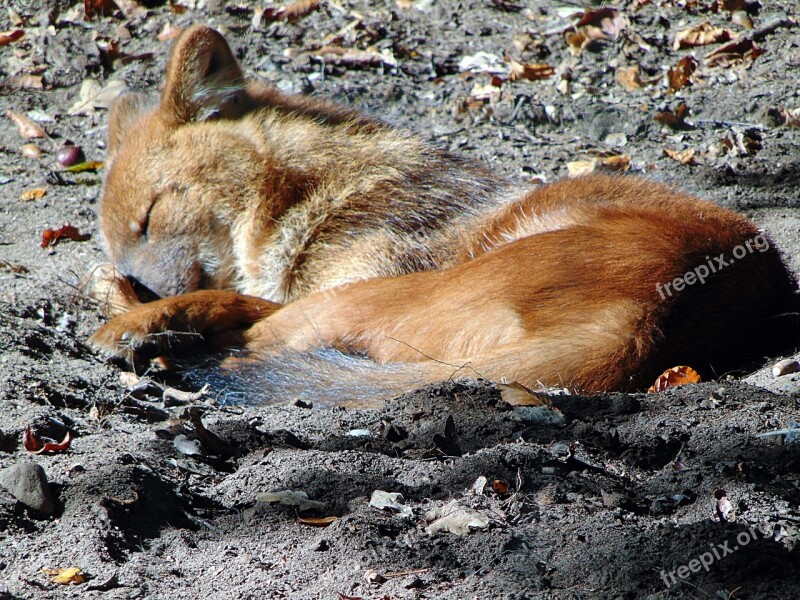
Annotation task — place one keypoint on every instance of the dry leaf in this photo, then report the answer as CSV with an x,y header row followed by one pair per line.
x,y
353,57
29,441
517,394
578,168
316,521
454,518
55,447
733,52
788,116
182,396
680,75
580,38
529,71
741,18
6,37
676,119
29,82
111,289
65,576
741,143
34,194
32,444
292,11
619,162
629,78
701,35
27,127
169,32
685,157
725,510
93,95
91,165
482,93
673,378
500,487
609,20
50,237
13,268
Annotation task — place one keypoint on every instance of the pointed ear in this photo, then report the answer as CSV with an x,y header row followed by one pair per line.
x,y
126,110
203,76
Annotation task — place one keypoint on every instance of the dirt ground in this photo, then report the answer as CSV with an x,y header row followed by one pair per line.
x,y
669,495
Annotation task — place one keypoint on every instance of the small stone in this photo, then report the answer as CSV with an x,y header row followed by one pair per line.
x,y
785,367
31,151
27,482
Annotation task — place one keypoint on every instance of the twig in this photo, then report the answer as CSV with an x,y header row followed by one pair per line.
x,y
716,123
441,362
404,573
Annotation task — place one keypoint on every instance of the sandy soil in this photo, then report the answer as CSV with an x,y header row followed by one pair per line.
x,y
667,495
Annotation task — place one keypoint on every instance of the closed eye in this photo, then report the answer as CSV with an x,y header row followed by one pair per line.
x,y
144,223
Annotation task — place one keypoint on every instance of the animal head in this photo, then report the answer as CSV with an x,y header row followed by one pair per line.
x,y
180,171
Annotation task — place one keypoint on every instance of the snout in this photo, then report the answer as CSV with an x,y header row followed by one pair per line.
x,y
159,270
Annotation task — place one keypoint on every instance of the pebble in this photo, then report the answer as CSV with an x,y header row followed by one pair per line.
x,y
27,482
785,367
31,151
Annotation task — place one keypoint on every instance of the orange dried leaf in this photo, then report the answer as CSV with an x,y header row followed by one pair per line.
x,y
499,487
619,162
676,119
65,576
579,38
673,378
27,127
56,447
685,157
529,71
6,37
316,521
33,194
629,78
517,394
32,444
29,441
50,237
701,35
680,75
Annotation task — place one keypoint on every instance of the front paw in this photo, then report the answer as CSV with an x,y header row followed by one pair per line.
x,y
147,331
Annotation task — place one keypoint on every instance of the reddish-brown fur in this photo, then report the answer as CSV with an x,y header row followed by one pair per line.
x,y
285,224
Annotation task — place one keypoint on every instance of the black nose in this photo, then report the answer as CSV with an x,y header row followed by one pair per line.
x,y
144,293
